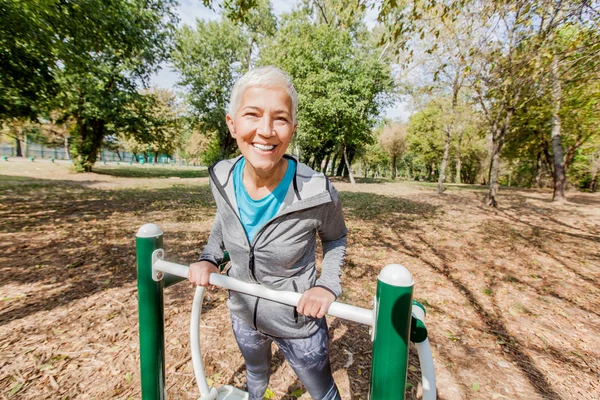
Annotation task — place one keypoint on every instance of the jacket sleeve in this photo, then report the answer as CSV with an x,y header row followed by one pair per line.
x,y
214,250
333,238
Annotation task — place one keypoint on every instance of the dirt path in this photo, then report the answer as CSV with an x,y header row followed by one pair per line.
x,y
512,294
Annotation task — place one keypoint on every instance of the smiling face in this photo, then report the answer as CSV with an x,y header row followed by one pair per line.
x,y
263,128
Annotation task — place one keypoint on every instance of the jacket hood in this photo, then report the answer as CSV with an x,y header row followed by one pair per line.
x,y
308,188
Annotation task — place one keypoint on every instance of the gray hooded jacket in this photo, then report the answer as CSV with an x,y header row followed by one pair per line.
x,y
282,254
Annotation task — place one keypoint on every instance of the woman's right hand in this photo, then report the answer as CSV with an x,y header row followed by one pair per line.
x,y
199,273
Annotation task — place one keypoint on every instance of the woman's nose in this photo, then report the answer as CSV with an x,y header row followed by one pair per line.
x,y
265,127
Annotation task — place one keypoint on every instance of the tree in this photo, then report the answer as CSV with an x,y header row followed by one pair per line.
x,y
106,57
159,129
342,85
426,141
20,130
210,58
573,116
504,58
58,127
375,160
92,54
393,141
197,143
574,67
27,56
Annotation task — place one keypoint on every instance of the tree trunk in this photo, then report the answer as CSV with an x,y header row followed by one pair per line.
x,y
351,153
538,172
18,145
458,178
494,174
350,174
333,163
557,150
442,177
319,163
456,85
595,165
394,159
86,145
118,154
342,164
67,153
249,58
326,163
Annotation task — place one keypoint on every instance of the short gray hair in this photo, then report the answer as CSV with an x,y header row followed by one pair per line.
x,y
266,77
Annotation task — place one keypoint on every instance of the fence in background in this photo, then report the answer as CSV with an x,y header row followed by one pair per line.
x,y
59,153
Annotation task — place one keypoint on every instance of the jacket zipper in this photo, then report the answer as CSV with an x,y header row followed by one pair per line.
x,y
295,309
256,312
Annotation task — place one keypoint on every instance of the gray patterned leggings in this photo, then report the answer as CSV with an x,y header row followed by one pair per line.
x,y
309,357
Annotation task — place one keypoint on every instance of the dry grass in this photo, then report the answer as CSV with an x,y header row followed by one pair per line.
x,y
512,293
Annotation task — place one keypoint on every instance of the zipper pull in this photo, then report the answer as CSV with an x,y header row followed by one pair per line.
x,y
251,264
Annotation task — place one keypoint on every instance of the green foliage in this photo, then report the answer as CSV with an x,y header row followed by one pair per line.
x,y
426,141
159,127
376,160
210,58
528,147
106,57
342,85
27,56
92,54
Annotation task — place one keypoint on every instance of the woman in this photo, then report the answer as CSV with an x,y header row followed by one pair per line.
x,y
270,209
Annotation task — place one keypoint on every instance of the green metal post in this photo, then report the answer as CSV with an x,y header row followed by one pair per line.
x,y
151,315
392,333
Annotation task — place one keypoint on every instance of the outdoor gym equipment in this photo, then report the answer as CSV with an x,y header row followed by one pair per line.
x,y
395,320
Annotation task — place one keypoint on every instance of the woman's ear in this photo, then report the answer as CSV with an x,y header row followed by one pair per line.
x,y
230,125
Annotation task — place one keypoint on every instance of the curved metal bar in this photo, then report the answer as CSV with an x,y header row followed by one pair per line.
x,y
427,371
425,358
206,392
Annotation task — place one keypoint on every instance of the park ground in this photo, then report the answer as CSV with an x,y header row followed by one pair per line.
x,y
512,294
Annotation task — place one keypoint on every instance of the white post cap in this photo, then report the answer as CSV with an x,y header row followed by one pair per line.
x,y
396,275
149,230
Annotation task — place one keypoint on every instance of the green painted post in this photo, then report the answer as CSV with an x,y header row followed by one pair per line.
x,y
392,333
151,315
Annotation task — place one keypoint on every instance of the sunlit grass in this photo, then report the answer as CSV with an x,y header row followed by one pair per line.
x,y
151,171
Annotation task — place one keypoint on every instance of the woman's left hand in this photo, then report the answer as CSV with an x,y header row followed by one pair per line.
x,y
315,302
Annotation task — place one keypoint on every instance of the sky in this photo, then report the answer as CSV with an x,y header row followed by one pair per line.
x,y
190,10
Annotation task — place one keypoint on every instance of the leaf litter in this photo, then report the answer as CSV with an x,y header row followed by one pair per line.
x,y
511,290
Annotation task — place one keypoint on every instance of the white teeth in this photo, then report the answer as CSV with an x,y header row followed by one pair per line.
x,y
264,147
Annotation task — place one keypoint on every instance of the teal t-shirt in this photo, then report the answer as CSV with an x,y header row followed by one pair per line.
x,y
255,213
